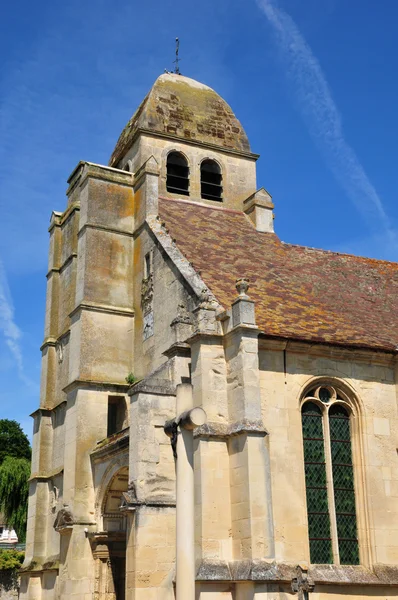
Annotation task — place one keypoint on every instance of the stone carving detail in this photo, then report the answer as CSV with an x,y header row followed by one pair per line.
x,y
64,519
242,285
147,294
208,300
60,351
147,305
183,316
301,584
54,498
148,326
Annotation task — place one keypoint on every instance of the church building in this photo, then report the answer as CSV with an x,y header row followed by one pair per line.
x,y
186,346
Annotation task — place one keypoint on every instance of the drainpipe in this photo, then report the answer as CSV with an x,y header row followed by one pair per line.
x,y
189,418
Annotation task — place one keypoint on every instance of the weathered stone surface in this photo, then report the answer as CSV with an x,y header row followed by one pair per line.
x,y
179,106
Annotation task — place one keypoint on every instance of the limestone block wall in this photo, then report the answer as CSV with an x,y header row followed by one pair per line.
x,y
239,171
151,554
151,469
168,295
370,380
86,423
102,325
213,502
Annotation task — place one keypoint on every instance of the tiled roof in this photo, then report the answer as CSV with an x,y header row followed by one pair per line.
x,y
300,293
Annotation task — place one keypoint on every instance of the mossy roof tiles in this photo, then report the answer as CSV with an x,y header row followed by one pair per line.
x,y
300,293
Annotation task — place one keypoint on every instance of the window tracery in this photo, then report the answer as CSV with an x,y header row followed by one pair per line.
x,y
329,476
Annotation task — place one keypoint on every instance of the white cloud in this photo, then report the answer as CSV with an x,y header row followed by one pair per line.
x,y
315,103
10,330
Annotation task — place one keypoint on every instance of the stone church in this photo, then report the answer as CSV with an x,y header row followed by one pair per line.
x,y
187,348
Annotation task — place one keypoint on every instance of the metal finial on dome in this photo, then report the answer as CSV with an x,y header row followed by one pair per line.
x,y
177,60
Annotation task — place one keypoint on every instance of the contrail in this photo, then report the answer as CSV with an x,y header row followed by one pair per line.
x,y
318,110
10,330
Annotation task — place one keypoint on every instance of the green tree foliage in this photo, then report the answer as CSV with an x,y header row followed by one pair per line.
x,y
14,490
11,560
13,441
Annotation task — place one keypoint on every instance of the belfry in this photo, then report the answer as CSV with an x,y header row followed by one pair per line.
x,y
182,336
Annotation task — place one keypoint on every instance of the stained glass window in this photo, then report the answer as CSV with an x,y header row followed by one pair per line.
x,y
316,486
324,394
333,511
343,484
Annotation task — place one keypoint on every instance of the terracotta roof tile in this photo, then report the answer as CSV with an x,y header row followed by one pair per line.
x,y
300,293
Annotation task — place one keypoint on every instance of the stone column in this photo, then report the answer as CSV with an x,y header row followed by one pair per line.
x,y
212,485
252,523
151,527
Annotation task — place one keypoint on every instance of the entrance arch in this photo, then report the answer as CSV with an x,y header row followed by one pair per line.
x,y
109,545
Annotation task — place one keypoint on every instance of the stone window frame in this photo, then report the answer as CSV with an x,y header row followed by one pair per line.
x,y
175,150
351,401
222,173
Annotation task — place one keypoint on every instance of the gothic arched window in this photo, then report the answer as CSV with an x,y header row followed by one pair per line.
x,y
177,181
210,180
329,477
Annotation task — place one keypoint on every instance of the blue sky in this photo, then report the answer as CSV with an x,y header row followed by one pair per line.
x,y
312,81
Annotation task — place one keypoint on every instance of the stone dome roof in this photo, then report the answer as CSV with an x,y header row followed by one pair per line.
x,y
181,107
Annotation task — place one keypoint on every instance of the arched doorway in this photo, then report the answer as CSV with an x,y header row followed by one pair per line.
x,y
109,545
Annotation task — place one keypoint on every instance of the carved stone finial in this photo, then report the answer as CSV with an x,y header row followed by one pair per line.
x,y
208,300
301,584
242,285
183,316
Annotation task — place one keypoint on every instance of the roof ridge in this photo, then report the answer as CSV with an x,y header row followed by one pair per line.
x,y
357,256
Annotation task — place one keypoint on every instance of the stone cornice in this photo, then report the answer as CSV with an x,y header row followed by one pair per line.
x,y
243,329
85,170
59,218
157,387
43,411
178,349
100,386
36,566
115,444
131,503
51,341
46,411
206,338
112,230
330,351
275,572
226,430
62,267
192,142
102,308
46,476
